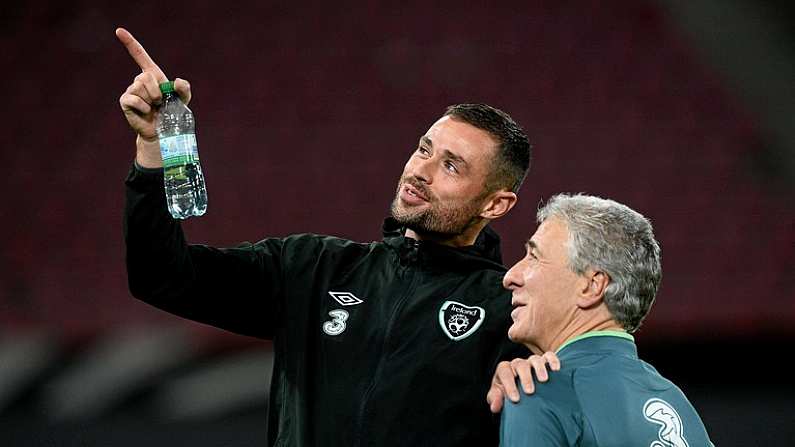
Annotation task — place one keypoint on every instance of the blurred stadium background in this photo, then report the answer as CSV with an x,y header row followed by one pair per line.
x,y
684,110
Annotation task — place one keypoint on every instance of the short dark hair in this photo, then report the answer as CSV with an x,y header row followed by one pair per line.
x,y
512,162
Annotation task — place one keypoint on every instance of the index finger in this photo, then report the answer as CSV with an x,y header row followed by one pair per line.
x,y
139,54
495,400
506,376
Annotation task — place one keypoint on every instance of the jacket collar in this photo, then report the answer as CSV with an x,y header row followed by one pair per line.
x,y
619,343
484,253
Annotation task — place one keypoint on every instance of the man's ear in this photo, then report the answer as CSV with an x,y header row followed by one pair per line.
x,y
498,204
591,288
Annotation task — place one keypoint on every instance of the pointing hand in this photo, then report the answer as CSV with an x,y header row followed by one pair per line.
x,y
142,97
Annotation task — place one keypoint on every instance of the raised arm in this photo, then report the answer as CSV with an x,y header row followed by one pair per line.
x,y
238,289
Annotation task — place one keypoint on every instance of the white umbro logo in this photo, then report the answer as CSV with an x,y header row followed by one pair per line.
x,y
345,298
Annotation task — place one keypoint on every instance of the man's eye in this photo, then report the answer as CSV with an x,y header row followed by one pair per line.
x,y
422,150
450,166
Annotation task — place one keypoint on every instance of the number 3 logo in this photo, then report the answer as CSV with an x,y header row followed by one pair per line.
x,y
337,324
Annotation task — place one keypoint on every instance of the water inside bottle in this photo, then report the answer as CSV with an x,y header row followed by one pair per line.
x,y
185,190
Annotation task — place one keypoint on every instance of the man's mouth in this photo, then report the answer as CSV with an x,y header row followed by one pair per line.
x,y
412,194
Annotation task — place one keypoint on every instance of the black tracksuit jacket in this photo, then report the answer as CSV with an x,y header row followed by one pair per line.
x,y
389,343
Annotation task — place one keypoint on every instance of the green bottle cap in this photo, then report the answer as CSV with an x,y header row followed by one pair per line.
x,y
167,87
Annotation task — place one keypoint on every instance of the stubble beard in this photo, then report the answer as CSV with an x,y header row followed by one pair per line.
x,y
438,220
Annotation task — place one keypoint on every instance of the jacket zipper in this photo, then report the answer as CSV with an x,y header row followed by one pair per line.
x,y
412,256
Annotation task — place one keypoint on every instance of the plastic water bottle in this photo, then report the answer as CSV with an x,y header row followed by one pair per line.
x,y
186,194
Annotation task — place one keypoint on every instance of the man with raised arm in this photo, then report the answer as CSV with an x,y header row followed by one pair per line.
x,y
588,280
384,343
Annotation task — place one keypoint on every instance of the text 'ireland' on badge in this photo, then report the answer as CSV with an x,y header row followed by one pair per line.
x,y
459,321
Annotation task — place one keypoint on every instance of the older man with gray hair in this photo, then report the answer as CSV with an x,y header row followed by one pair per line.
x,y
588,280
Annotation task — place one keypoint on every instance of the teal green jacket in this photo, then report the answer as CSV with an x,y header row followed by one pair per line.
x,y
604,395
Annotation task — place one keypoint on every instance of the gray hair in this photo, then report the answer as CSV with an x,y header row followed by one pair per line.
x,y
617,240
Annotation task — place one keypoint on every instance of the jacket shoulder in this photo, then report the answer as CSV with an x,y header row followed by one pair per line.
x,y
323,250
550,416
325,242
614,390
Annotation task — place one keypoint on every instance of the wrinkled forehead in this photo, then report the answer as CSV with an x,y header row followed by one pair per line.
x,y
551,239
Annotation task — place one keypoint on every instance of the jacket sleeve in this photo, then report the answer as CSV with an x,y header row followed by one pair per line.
x,y
237,289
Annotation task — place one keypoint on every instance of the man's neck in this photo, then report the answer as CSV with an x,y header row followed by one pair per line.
x,y
576,329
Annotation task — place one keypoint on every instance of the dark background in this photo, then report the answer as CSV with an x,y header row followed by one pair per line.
x,y
306,114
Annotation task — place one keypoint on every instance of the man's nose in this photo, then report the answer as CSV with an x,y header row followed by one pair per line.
x,y
422,170
511,279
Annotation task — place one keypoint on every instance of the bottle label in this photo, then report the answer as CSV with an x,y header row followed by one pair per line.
x,y
179,150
